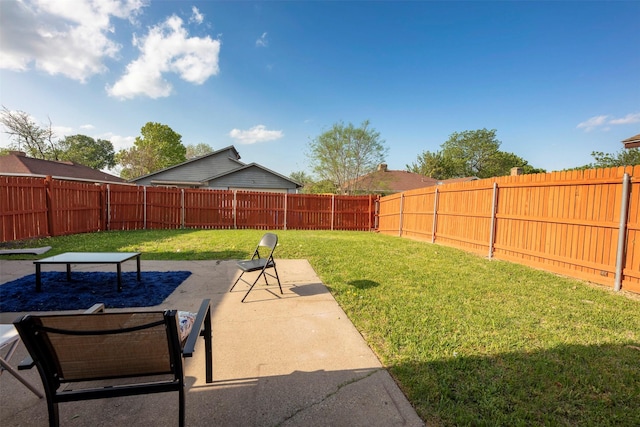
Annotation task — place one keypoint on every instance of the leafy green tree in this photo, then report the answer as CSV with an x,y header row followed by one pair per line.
x,y
434,165
344,153
198,150
309,186
158,148
469,153
624,157
301,177
324,186
35,140
82,149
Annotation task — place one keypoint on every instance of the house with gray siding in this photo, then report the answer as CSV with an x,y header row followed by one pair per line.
x,y
220,170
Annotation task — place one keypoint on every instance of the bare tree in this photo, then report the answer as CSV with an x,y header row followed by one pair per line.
x,y
35,140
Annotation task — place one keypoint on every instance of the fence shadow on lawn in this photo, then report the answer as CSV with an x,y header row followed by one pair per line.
x,y
565,385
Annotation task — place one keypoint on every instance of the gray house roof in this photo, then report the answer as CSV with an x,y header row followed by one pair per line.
x,y
221,170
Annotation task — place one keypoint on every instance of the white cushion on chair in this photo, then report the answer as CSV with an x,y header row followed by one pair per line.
x,y
186,320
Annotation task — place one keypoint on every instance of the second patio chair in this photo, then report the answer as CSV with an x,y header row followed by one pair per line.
x,y
112,354
262,261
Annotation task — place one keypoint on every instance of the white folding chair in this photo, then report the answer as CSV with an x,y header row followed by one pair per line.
x,y
9,338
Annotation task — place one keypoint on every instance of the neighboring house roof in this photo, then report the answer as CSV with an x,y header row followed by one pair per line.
x,y
219,169
385,181
16,162
632,142
197,178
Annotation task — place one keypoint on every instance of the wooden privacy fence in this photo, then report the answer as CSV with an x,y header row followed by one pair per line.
x,y
582,224
37,207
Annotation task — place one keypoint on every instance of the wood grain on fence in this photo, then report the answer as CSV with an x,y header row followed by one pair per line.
x,y
36,207
74,207
565,222
23,208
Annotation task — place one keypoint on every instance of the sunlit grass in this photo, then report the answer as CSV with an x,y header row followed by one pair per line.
x,y
470,341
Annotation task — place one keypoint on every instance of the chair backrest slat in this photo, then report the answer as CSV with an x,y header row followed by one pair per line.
x,y
143,348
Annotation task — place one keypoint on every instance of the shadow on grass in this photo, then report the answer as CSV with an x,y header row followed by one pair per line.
x,y
566,385
363,284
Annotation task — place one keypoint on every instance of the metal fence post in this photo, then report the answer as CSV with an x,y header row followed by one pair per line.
x,y
622,233
494,208
401,209
435,216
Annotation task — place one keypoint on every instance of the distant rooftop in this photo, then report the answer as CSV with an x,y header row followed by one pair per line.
x,y
16,162
632,142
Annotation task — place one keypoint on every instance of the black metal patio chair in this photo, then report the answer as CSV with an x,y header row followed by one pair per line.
x,y
112,354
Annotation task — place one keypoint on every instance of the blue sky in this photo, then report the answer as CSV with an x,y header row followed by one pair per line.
x,y
557,80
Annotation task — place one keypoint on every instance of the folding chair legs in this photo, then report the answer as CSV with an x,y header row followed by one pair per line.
x,y
4,366
8,368
263,274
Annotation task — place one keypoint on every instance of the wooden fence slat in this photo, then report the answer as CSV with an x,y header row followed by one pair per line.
x,y
566,222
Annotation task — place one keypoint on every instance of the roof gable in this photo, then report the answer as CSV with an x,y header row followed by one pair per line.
x,y
252,171
226,158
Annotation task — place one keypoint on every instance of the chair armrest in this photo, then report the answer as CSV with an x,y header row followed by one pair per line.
x,y
27,363
203,318
95,308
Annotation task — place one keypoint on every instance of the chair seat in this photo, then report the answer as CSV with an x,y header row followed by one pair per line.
x,y
254,264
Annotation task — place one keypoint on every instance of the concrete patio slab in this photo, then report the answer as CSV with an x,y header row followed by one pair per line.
x,y
279,360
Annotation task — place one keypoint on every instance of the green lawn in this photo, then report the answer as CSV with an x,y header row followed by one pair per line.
x,y
470,341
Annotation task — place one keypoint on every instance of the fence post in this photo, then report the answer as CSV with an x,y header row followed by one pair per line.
x,y
108,208
235,207
435,216
622,233
48,182
284,225
370,204
494,207
401,210
182,209
333,212
144,207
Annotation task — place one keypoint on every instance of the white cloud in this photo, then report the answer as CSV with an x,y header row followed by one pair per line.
x,y
257,133
626,120
167,48
119,142
87,127
593,123
62,131
196,16
262,41
70,38
603,122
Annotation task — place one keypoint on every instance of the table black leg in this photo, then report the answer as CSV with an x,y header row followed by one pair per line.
x,y
38,278
68,272
119,266
138,262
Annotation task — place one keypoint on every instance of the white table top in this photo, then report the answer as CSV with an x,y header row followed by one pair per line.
x,y
88,258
